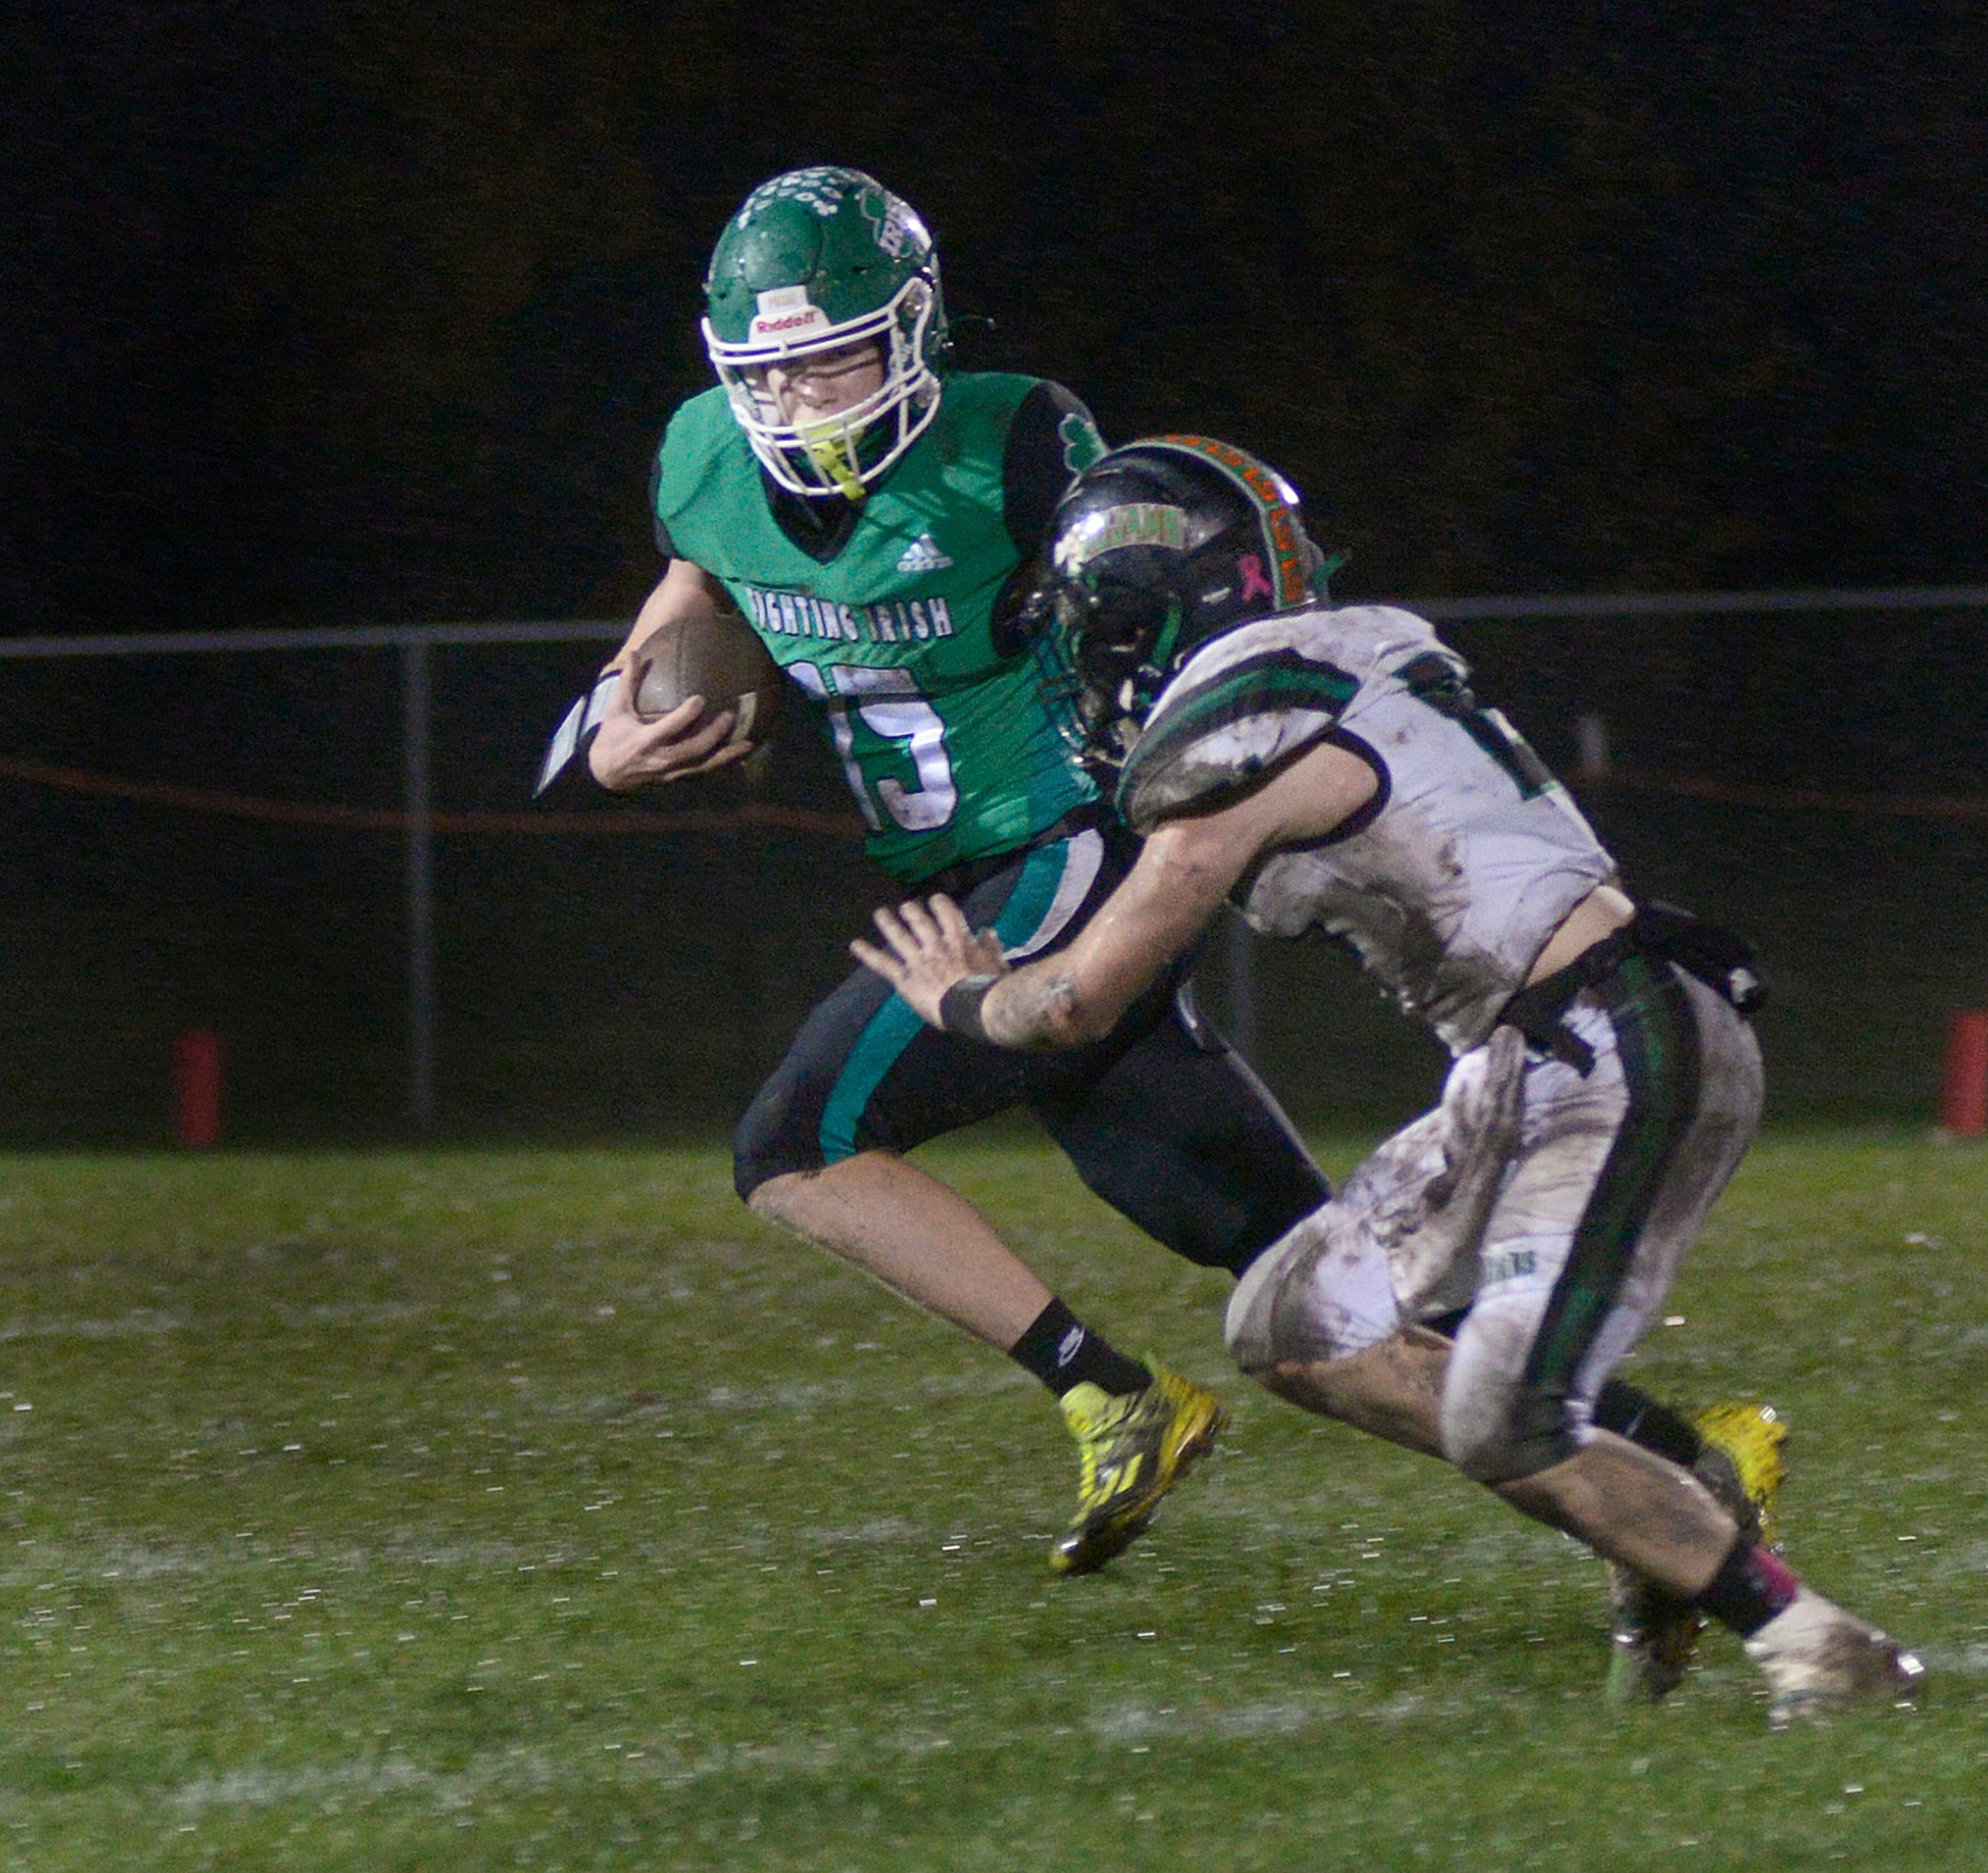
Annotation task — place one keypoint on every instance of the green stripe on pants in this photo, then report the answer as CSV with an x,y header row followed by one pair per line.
x,y
1656,1038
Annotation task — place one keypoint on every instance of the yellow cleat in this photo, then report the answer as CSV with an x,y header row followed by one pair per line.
x,y
1653,1635
1133,1447
1749,1438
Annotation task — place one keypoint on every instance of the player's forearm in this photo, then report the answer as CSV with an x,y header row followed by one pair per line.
x,y
1043,1006
1080,994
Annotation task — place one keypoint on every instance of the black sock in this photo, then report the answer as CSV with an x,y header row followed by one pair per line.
x,y
1062,1352
1751,1585
1651,1426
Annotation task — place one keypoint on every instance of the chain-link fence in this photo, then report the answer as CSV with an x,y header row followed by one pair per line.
x,y
221,839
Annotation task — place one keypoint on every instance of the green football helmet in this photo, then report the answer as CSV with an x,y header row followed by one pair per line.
x,y
816,260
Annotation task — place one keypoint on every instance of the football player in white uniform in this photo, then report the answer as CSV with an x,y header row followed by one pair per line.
x,y
1331,770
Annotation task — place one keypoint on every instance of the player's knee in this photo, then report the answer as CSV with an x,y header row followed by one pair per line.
x,y
1499,1437
1248,1327
783,1199
1323,1291
770,1143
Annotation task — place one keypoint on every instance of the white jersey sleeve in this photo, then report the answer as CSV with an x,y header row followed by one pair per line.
x,y
1242,706
1451,881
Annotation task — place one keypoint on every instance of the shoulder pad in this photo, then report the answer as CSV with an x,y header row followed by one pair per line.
x,y
1227,719
995,394
703,448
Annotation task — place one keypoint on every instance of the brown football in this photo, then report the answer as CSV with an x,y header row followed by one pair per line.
x,y
714,655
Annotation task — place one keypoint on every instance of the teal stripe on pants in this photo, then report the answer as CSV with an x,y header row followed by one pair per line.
x,y
896,1024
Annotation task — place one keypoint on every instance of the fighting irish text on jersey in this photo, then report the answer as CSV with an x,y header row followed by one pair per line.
x,y
885,617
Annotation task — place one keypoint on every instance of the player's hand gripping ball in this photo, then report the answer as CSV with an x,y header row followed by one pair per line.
x,y
717,656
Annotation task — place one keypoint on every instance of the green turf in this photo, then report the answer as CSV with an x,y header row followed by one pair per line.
x,y
495,1510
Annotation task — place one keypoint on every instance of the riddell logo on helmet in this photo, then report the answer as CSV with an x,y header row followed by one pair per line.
x,y
783,309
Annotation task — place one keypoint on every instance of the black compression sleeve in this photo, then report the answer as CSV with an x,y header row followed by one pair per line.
x,y
1051,435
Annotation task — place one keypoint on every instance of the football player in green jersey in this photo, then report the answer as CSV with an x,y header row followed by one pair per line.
x,y
878,518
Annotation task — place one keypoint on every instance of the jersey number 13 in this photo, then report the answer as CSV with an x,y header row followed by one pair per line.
x,y
888,703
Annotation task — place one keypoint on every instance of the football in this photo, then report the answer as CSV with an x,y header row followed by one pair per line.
x,y
714,655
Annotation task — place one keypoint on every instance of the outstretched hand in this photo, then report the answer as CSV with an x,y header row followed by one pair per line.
x,y
926,948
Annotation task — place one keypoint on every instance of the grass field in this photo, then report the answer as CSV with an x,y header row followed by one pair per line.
x,y
522,1509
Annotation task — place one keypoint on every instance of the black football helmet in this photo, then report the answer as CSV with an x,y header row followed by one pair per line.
x,y
1157,548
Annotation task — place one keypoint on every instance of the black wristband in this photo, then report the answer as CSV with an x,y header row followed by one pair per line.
x,y
959,1007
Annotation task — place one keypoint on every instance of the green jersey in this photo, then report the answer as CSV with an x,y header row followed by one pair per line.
x,y
888,615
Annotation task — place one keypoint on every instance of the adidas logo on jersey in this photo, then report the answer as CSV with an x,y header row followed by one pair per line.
x,y
924,555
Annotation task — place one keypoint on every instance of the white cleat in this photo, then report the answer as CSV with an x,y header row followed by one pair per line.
x,y
1818,1658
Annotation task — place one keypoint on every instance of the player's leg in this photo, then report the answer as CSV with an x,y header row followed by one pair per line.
x,y
1434,1177
1168,1125
918,1236
820,1149
1734,1448
865,1081
1320,1320
1326,1334
1616,1171
1328,1317
1419,1203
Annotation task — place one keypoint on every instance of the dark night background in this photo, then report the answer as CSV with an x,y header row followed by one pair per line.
x,y
369,313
